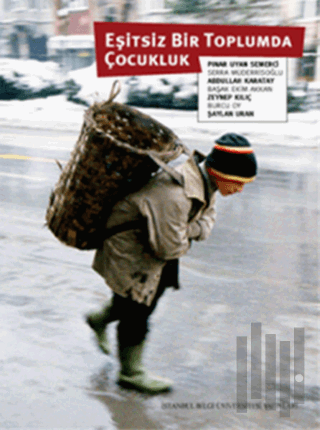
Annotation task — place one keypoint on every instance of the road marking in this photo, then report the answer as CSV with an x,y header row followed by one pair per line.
x,y
27,157
17,176
36,141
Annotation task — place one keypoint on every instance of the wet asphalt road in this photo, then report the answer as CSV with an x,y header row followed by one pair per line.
x,y
260,264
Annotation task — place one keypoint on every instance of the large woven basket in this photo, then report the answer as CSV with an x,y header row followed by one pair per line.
x,y
115,154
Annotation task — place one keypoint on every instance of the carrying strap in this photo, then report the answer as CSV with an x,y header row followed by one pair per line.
x,y
172,172
129,225
140,224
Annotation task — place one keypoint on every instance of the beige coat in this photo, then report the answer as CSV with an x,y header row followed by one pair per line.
x,y
132,261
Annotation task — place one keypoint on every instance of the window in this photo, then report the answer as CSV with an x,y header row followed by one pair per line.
x,y
307,66
19,4
78,4
67,6
302,8
38,4
45,4
126,10
150,5
110,14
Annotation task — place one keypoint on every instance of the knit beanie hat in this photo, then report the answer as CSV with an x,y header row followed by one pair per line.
x,y
232,159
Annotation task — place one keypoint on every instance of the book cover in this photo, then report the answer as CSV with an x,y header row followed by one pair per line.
x,y
240,337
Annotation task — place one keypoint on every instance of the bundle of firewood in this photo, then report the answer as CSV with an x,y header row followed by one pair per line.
x,y
115,155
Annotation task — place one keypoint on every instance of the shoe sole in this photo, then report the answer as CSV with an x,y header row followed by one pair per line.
x,y
131,386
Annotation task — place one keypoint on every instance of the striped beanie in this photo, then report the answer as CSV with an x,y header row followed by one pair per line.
x,y
232,159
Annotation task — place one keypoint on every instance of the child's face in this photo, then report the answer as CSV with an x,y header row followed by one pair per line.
x,y
227,188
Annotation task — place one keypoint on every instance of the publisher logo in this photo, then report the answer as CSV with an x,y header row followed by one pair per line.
x,y
270,373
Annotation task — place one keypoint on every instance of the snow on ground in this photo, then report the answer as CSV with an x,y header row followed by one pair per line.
x,y
32,73
30,77
302,129
44,113
94,88
55,112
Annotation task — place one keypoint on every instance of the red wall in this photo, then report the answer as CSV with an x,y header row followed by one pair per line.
x,y
75,23
80,23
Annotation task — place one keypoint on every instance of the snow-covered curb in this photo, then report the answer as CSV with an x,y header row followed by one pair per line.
x,y
52,113
56,113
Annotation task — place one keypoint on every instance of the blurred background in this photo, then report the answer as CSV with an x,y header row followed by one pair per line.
x,y
61,32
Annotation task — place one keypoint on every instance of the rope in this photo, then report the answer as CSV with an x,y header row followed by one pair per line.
x,y
115,90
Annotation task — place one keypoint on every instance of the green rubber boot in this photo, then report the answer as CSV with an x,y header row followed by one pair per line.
x,y
133,375
98,321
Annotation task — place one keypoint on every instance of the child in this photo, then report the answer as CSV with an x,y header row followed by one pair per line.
x,y
139,261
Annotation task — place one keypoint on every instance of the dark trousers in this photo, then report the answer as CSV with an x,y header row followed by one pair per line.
x,y
133,316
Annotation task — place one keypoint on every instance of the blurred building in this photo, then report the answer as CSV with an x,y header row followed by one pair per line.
x,y
116,10
305,13
130,10
25,26
72,44
62,30
241,12
152,11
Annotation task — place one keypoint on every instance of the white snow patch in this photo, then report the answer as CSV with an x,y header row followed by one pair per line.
x,y
31,74
301,130
97,89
